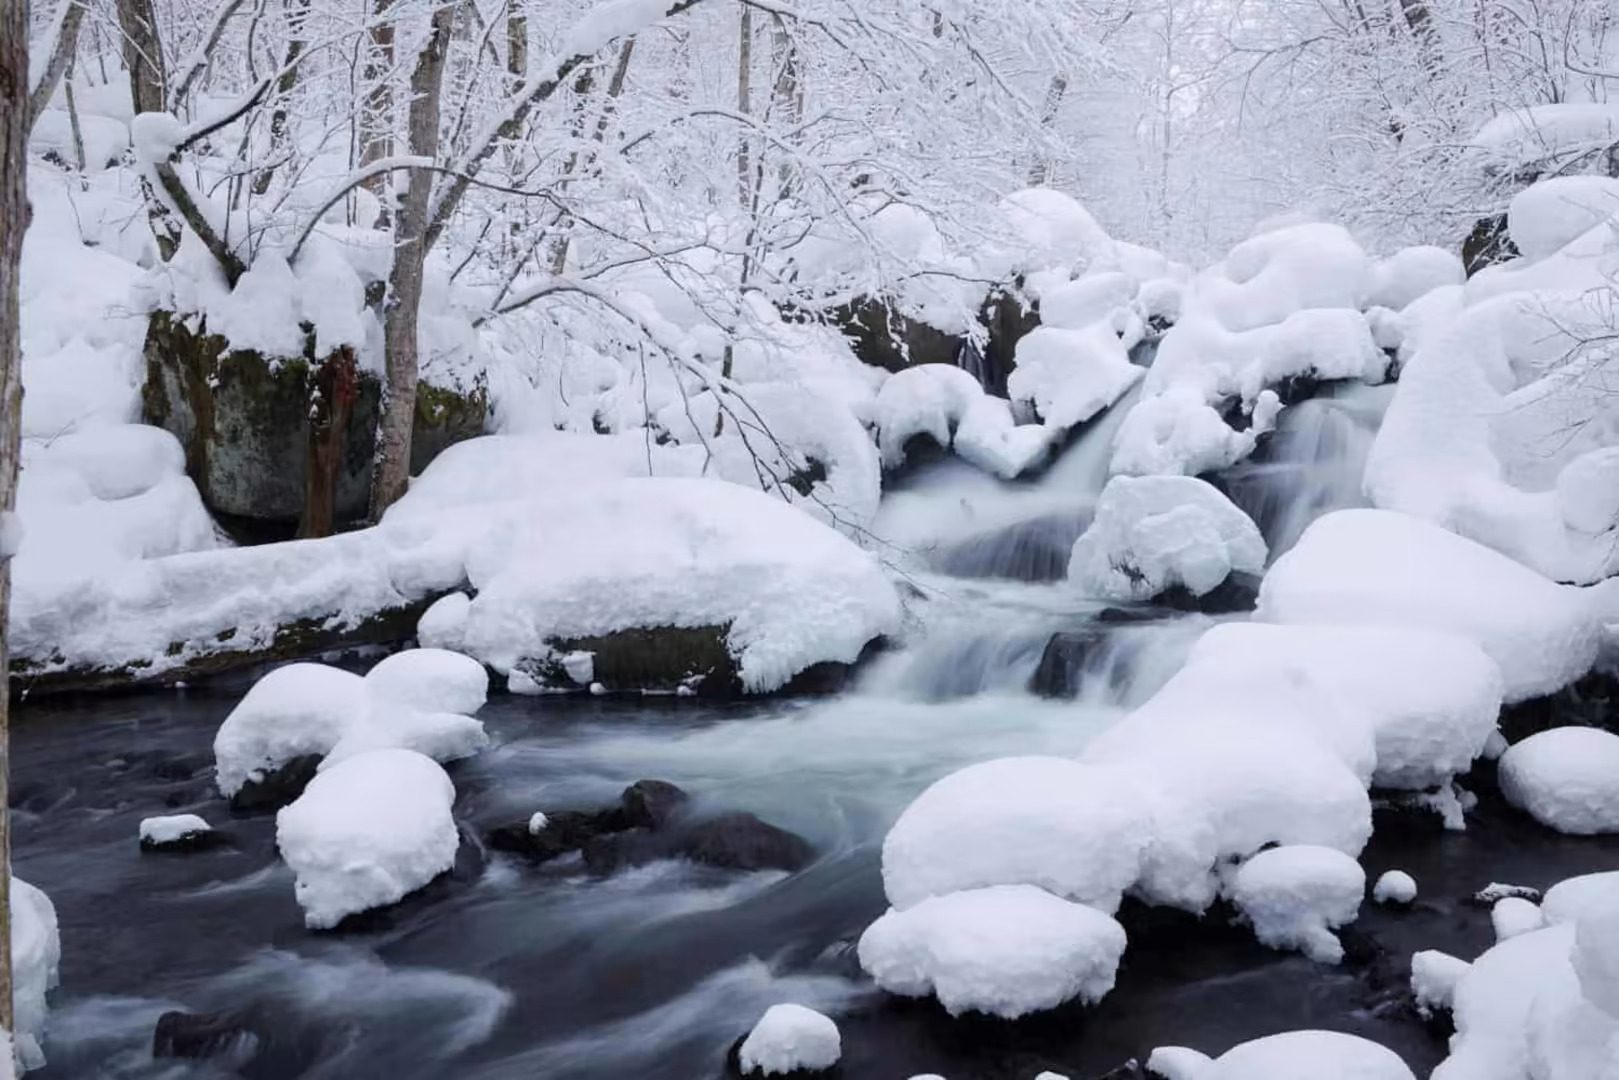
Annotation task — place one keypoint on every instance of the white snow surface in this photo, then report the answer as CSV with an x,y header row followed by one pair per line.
x,y
1411,273
432,680
1395,887
789,1038
1549,215
36,954
1070,375
1295,895
1379,568
173,827
367,832
1566,778
1434,976
1006,950
1293,1055
1547,132
1153,533
1513,915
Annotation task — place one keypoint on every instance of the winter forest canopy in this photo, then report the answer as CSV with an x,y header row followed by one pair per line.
x,y
1043,539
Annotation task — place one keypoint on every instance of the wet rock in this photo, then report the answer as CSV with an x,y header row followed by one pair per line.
x,y
1487,244
885,338
244,420
202,1035
652,804
659,658
1063,663
179,836
733,841
1591,702
1237,593
564,831
278,787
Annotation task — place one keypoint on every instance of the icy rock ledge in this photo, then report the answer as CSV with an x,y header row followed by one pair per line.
x,y
367,833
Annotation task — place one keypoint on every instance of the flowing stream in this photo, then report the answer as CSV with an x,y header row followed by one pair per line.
x,y
503,970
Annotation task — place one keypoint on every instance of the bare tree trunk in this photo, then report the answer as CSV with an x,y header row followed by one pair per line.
x,y
788,93
744,104
73,116
143,55
297,15
15,120
60,59
580,161
1040,170
331,406
376,117
400,344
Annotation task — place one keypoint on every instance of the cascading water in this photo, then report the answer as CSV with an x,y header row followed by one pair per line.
x,y
504,970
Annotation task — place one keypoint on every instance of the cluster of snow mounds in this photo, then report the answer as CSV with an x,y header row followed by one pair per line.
x,y
1287,305
1541,1003
1007,951
419,700
1566,778
1293,1055
1295,896
1379,568
643,553
790,1039
1501,428
36,954
948,406
367,832
1154,533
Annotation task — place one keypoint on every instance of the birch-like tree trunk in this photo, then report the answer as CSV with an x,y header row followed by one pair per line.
x,y
143,55
377,114
399,329
15,120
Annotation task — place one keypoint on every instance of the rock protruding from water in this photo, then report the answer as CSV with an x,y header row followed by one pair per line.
x,y
653,821
194,1036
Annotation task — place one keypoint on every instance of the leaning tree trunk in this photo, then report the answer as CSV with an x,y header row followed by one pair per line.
x,y
399,327
14,124
143,55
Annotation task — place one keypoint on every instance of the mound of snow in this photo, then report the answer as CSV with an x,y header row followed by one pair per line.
x,y
1513,915
1496,1000
1177,432
1432,698
1566,778
1056,230
929,399
1071,829
1395,887
1154,533
1387,569
1545,132
367,832
685,553
1434,976
1070,375
432,680
1295,896
1548,216
1293,1055
443,624
36,954
1410,274
790,1038
1570,899
1007,950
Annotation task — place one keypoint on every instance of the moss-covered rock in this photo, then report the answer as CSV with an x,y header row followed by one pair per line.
x,y
244,420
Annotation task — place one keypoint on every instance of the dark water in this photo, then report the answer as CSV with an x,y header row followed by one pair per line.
x,y
501,970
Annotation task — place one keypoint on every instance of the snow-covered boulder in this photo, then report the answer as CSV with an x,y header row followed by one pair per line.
x,y
1395,887
1496,1001
929,399
367,832
1547,216
1073,830
1295,896
1375,567
1513,915
1573,897
779,590
294,711
790,1039
1556,133
1434,976
1566,779
1070,375
1154,533
175,832
36,954
1177,432
1007,950
430,680
1431,697
1410,274
1293,1055
443,624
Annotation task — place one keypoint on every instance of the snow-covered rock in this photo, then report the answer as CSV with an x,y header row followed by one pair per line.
x,y
1412,273
430,680
1293,1055
367,832
1513,915
1568,900
1566,779
36,954
1177,432
1431,697
1154,533
1546,217
295,710
1387,569
175,830
790,1038
635,554
1006,950
1434,976
1073,830
443,624
1395,887
1071,375
1295,896
1495,1002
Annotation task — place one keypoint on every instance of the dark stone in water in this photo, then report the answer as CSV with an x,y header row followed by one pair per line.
x,y
201,1035
565,831
652,804
1064,661
1591,702
734,841
190,843
1237,593
278,788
